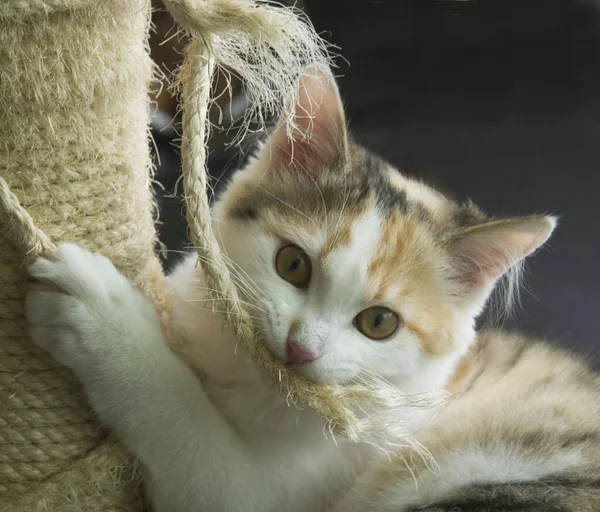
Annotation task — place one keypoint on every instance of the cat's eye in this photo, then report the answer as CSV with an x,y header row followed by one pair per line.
x,y
293,265
377,323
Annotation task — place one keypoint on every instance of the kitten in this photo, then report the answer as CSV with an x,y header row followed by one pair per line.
x,y
348,267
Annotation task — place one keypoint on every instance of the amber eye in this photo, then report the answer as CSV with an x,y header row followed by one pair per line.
x,y
377,323
293,265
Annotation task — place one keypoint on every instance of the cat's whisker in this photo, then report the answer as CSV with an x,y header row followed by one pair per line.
x,y
218,293
220,296
220,311
248,287
248,304
243,285
244,277
247,283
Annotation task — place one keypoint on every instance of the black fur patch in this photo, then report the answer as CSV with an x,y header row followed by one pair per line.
x,y
542,496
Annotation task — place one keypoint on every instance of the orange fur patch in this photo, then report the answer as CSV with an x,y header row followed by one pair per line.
x,y
405,262
397,254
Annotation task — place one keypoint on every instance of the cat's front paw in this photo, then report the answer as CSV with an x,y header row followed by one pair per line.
x,y
81,309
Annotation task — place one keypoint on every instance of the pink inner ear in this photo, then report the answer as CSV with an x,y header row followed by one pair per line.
x,y
481,264
319,133
486,253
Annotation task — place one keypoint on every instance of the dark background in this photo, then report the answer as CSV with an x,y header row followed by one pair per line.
x,y
492,100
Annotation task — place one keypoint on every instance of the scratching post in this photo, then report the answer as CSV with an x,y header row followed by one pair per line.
x,y
74,152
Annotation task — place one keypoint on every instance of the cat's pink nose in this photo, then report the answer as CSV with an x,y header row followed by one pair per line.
x,y
296,354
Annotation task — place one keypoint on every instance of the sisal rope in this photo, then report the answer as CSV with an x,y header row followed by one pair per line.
x,y
196,78
74,161
18,226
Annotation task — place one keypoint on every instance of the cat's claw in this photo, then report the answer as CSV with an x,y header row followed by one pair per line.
x,y
80,306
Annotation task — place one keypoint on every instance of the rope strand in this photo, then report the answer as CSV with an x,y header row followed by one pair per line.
x,y
18,226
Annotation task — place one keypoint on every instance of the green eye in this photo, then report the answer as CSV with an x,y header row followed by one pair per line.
x,y
293,265
377,323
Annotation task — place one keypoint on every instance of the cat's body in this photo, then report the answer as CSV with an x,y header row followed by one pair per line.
x,y
521,433
349,268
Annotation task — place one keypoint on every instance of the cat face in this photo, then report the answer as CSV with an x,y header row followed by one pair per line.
x,y
349,268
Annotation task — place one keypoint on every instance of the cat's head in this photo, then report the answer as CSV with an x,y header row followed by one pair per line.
x,y
350,267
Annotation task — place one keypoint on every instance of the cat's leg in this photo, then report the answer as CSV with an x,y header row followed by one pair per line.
x,y
91,319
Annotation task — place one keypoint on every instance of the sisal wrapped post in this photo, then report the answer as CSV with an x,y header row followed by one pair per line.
x,y
74,152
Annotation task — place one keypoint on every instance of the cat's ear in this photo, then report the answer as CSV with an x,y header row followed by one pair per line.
x,y
484,253
319,137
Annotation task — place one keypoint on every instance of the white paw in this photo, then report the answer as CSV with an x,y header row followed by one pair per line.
x,y
82,310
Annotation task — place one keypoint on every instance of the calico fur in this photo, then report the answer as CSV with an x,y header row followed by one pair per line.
x,y
520,430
